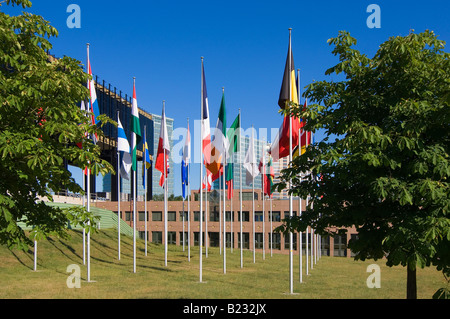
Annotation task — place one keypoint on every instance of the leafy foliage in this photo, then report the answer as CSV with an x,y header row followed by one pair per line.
x,y
384,164
40,124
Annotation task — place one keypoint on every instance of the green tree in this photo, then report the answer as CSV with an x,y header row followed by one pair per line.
x,y
383,166
40,124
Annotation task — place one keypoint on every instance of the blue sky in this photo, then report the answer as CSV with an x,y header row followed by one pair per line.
x,y
244,44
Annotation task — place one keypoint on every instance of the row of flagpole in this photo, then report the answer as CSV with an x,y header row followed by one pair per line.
x,y
205,151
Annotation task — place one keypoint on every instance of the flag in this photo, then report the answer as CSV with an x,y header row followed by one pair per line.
x,y
135,129
185,162
250,164
288,85
206,134
305,137
207,180
288,93
162,162
93,104
268,178
233,139
124,148
280,145
219,144
146,164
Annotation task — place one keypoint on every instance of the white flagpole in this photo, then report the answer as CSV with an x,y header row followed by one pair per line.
x,y
134,209
201,179
118,197
299,197
35,255
224,219
271,227
232,215
220,217
84,231
145,192
240,186
253,204
291,270
263,199
206,219
189,206
165,196
89,223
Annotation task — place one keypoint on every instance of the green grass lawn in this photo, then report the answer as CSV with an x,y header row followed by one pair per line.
x,y
331,278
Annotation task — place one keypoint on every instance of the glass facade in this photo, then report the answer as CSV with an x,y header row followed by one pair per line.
x,y
113,103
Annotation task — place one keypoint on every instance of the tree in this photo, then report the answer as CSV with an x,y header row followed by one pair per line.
x,y
383,166
40,125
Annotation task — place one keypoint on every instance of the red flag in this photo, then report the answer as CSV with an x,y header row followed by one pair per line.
x,y
162,162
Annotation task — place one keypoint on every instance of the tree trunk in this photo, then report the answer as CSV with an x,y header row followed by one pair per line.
x,y
411,283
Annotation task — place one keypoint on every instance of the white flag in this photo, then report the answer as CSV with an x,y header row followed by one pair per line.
x,y
250,163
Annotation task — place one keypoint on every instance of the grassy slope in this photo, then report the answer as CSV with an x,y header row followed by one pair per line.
x,y
331,278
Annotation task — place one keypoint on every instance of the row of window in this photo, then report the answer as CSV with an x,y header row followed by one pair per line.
x,y
157,216
340,245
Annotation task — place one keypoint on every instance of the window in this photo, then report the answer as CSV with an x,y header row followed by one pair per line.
x,y
156,216
197,216
248,196
214,239
128,216
259,240
172,237
276,216
228,239
286,214
214,215
294,241
258,216
245,216
340,245
171,216
186,216
156,237
246,242
142,216
276,237
197,238
142,235
186,241
228,216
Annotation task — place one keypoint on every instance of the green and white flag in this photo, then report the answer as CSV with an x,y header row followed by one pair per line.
x,y
135,129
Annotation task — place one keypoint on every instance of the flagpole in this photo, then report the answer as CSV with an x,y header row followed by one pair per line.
x,y
118,196
88,201
291,270
201,178
253,205
188,200
84,230
206,219
224,217
134,206
240,187
220,217
145,189
300,257
263,199
165,195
